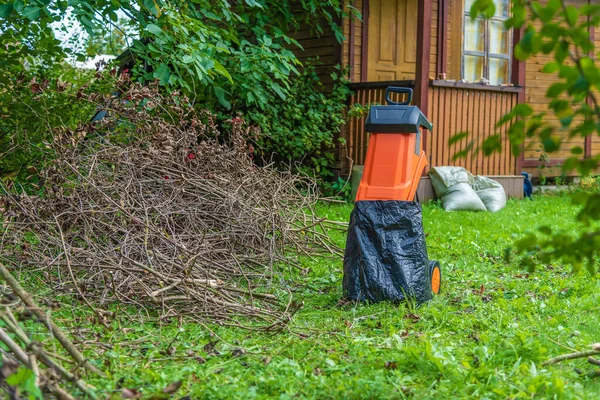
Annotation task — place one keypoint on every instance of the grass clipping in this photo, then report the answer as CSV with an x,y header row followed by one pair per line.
x,y
153,207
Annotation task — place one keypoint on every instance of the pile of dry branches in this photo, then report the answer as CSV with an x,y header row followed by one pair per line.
x,y
57,374
154,207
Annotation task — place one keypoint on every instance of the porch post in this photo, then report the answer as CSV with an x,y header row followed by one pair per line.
x,y
423,53
442,39
364,45
519,79
588,139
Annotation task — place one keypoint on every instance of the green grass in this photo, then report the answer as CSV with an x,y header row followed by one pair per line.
x,y
484,337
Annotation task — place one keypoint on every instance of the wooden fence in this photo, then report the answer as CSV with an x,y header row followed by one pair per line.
x,y
453,108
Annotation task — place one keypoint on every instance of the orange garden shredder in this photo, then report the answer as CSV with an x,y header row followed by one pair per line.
x,y
386,255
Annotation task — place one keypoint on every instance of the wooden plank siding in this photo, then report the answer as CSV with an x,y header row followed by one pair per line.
x,y
456,109
323,46
452,109
535,95
353,28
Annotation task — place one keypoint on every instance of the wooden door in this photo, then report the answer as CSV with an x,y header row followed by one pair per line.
x,y
392,41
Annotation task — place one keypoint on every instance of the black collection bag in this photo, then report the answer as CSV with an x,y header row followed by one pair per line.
x,y
386,257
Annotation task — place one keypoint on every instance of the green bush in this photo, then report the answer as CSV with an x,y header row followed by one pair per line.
x,y
33,103
301,130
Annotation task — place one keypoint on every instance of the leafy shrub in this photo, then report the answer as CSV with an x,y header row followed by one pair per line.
x,y
301,130
34,102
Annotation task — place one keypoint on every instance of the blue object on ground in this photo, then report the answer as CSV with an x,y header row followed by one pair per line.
x,y
527,186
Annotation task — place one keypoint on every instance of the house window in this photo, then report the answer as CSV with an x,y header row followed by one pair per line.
x,y
486,46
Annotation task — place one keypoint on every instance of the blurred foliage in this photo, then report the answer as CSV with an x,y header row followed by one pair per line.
x,y
33,103
110,39
561,31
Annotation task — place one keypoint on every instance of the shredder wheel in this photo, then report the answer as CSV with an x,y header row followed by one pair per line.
x,y
436,276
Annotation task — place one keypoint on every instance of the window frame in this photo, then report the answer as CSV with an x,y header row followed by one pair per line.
x,y
486,54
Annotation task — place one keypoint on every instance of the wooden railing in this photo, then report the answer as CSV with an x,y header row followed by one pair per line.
x,y
453,108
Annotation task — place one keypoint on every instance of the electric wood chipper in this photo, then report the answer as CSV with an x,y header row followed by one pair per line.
x,y
386,255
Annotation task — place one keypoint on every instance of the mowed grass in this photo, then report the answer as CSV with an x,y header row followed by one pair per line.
x,y
484,337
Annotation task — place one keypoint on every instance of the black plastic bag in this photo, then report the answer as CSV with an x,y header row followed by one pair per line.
x,y
386,256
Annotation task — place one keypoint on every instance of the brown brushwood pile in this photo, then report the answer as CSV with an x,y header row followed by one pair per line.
x,y
154,207
36,367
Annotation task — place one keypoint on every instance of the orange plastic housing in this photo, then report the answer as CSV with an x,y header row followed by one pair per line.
x,y
392,168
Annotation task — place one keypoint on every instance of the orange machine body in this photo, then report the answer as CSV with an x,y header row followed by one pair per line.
x,y
394,161
392,167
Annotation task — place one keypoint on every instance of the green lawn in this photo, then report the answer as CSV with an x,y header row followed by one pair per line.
x,y
484,337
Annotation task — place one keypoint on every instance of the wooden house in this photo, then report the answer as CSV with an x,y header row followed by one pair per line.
x,y
435,48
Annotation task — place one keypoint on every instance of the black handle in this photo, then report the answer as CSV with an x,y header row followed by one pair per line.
x,y
396,89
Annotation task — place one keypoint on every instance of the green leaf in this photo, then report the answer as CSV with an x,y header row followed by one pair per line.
x,y
19,5
485,8
254,3
162,73
88,25
220,93
556,89
154,29
32,13
572,15
457,138
463,153
151,6
278,90
523,110
6,10
506,118
222,70
492,144
550,67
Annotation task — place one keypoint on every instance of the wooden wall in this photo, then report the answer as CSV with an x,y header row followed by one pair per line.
x,y
434,40
324,46
456,109
537,84
353,31
357,38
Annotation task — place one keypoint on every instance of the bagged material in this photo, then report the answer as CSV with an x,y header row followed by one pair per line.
x,y
462,197
490,192
386,257
442,178
452,185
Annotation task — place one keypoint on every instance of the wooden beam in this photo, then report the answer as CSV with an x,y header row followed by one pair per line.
x,y
442,39
519,79
338,50
423,53
587,152
364,59
381,84
351,50
476,86
552,162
